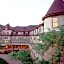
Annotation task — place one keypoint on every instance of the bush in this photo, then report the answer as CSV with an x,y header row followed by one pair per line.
x,y
44,62
23,56
13,55
27,63
3,61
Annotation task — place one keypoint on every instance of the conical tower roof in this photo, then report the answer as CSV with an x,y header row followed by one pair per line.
x,y
56,9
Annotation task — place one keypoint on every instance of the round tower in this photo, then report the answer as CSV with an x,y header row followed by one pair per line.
x,y
55,16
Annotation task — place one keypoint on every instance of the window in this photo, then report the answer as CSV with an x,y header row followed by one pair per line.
x,y
35,31
20,33
34,38
55,22
6,33
13,37
26,32
14,32
39,29
6,28
5,37
24,37
6,41
16,37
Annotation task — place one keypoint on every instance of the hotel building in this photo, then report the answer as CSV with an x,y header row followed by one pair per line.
x,y
12,36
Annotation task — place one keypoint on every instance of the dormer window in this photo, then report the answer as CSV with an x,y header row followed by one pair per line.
x,y
26,32
55,22
20,33
6,33
14,32
6,28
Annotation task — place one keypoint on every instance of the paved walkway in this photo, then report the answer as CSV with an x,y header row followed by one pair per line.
x,y
10,61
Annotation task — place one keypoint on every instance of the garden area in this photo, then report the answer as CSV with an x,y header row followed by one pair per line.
x,y
50,51
23,56
52,45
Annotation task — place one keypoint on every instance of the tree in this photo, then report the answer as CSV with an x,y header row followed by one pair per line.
x,y
53,38
23,56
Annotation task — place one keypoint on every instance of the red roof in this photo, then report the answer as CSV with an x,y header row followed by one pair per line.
x,y
24,29
17,29
56,9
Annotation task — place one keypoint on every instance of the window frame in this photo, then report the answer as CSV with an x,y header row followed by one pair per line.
x,y
20,33
55,22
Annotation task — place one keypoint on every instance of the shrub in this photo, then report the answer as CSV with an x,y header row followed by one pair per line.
x,y
23,56
13,55
44,62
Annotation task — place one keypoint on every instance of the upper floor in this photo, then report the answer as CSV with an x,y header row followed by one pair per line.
x,y
7,30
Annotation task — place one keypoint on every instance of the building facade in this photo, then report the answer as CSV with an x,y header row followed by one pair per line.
x,y
55,16
16,36
19,35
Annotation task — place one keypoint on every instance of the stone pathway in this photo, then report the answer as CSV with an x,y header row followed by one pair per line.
x,y
10,61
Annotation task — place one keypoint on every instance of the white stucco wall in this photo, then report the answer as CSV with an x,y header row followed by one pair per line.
x,y
42,29
35,31
48,22
10,31
61,20
32,32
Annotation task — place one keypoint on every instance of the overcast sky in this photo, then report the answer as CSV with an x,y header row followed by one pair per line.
x,y
23,12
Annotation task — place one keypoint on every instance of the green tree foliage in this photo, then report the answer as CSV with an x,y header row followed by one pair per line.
x,y
52,37
49,38
23,56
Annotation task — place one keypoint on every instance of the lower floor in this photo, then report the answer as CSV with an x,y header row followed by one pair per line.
x,y
13,47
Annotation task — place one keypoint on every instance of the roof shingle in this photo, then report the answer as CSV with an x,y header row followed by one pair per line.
x,y
57,8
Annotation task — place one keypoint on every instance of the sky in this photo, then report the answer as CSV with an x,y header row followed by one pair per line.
x,y
23,12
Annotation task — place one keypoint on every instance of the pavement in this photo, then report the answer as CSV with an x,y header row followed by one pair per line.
x,y
10,61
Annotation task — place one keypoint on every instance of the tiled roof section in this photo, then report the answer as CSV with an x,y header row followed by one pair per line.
x,y
56,9
31,27
42,24
37,26
18,28
1,27
23,29
7,26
